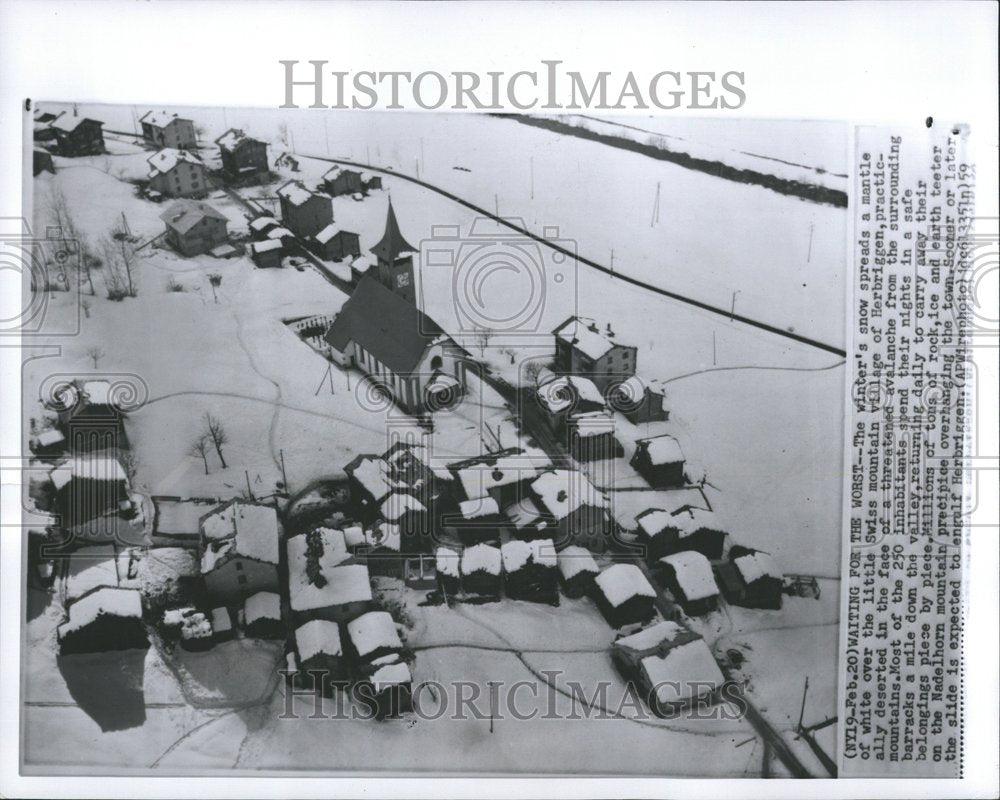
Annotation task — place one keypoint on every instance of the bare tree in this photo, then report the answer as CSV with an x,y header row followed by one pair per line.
x,y
482,336
199,448
95,354
70,240
215,430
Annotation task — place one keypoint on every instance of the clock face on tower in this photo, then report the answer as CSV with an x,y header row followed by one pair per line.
x,y
403,279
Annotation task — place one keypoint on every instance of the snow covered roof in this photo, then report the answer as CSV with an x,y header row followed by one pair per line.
x,y
516,554
279,233
397,674
373,475
574,559
263,605
221,621
327,233
233,138
196,626
348,583
756,566
295,193
373,631
318,636
585,337
563,491
386,535
621,582
478,507
523,513
654,635
94,468
364,262
354,535
481,557
557,392
663,449
98,393
694,574
69,123
170,157
107,601
687,670
161,119
184,214
399,503
260,223
592,423
238,528
334,552
446,561
49,437
495,471
265,247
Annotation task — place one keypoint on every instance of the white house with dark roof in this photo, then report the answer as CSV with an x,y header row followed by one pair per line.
x,y
167,129
239,552
194,227
177,173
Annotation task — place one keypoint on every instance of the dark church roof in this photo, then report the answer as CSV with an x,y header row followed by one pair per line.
x,y
392,243
385,324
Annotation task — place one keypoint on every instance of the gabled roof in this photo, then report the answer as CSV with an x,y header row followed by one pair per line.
x,y
170,157
67,123
240,528
584,335
296,193
392,244
385,324
161,119
663,449
234,138
183,215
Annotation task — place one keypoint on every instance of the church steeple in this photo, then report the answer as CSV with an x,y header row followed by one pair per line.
x,y
395,259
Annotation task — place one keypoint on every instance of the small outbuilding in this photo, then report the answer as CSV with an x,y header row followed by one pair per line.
x,y
688,577
481,571
446,567
373,636
577,570
624,596
751,579
335,244
530,571
660,460
266,254
105,618
319,656
262,616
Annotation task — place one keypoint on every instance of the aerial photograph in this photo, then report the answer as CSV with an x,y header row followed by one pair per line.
x,y
411,443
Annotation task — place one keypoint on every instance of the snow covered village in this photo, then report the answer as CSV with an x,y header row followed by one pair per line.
x,y
377,442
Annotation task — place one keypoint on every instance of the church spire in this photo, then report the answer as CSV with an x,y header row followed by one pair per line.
x,y
392,243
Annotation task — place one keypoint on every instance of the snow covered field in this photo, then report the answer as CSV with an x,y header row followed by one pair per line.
x,y
761,413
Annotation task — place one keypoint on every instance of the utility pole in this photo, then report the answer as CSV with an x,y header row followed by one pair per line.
x,y
493,702
496,203
612,262
732,310
802,711
284,476
656,207
249,490
713,349
809,254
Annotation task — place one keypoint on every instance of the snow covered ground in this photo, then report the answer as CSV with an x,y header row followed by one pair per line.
x,y
761,413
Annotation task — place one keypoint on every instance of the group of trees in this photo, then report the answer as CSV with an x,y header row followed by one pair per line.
x,y
212,435
72,259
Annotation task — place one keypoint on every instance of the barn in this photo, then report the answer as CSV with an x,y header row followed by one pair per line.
x,y
660,460
665,533
266,254
243,157
335,244
372,637
77,136
672,667
688,577
388,691
339,181
577,570
751,579
41,161
624,596
578,509
446,567
530,571
319,656
323,580
223,628
177,520
104,618
262,616
481,567
504,476
477,520
305,213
